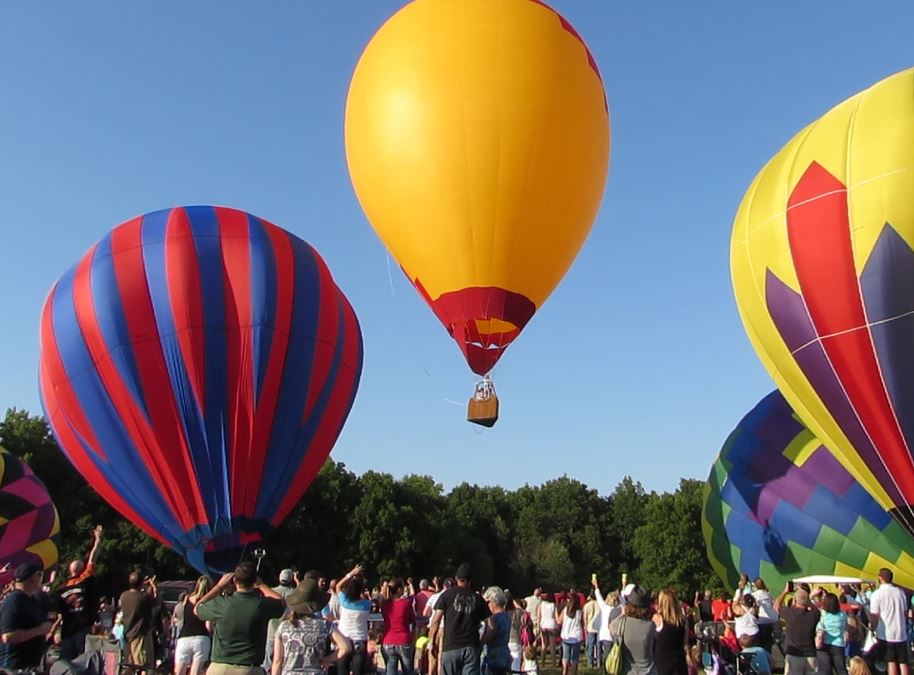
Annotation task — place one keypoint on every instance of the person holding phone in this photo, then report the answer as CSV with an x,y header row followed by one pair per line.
x,y
240,635
801,619
137,604
354,611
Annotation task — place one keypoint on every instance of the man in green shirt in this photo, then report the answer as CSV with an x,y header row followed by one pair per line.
x,y
241,621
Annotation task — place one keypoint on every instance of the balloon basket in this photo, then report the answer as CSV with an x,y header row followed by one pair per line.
x,y
482,408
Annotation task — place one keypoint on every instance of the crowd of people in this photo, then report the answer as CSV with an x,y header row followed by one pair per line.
x,y
310,624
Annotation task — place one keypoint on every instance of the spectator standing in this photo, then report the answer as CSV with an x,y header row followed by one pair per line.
x,y
638,633
397,646
287,584
462,610
888,618
609,610
801,619
193,645
138,604
24,621
354,610
241,619
77,602
592,628
497,633
302,639
830,637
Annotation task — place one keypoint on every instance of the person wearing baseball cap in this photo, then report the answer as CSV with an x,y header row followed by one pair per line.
x,y
24,621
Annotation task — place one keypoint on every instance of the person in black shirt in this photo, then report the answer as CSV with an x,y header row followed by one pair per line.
x,y
703,604
462,611
24,621
77,602
801,620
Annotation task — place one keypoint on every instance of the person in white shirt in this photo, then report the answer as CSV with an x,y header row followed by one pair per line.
x,y
888,618
609,610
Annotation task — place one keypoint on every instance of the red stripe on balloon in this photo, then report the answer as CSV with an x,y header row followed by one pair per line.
x,y
69,423
162,445
55,383
820,244
186,299
235,235
334,414
272,381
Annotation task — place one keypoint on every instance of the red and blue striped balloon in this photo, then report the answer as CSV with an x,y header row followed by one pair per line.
x,y
197,366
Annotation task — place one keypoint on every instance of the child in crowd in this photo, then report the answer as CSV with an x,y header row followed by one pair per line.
x,y
858,667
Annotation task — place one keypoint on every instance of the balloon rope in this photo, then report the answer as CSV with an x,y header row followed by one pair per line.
x,y
390,276
415,350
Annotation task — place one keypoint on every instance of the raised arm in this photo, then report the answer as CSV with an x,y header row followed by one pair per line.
x,y
778,601
93,552
351,573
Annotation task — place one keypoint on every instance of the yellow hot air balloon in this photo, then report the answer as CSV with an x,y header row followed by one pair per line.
x,y
477,138
823,272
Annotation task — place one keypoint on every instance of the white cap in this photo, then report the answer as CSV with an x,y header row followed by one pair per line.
x,y
287,576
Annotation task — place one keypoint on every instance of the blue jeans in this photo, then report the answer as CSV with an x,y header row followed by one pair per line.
x,y
603,651
402,654
463,661
571,651
593,650
354,662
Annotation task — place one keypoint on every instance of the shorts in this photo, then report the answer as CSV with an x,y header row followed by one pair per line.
x,y
571,651
140,651
191,649
892,652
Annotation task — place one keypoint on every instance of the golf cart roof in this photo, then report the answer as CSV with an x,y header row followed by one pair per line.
x,y
831,579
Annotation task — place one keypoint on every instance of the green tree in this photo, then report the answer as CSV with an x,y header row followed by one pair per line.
x,y
670,545
625,514
562,513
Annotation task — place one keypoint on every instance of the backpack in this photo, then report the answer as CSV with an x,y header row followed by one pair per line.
x,y
527,636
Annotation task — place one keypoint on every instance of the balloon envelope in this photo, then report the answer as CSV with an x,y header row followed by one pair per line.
x,y
29,524
779,505
197,366
477,138
823,272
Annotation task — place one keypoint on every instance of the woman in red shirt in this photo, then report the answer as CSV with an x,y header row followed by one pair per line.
x,y
397,644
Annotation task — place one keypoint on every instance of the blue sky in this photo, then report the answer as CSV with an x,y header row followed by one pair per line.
x,y
636,365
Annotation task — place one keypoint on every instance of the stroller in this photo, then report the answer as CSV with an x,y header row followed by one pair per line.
x,y
719,657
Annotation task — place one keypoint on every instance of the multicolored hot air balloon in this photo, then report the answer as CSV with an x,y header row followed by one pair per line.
x,y
823,272
477,137
197,366
29,524
779,505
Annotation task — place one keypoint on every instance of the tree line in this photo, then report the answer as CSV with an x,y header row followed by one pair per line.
x,y
553,535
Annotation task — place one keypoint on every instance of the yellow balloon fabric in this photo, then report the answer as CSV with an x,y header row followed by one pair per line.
x,y
823,273
477,138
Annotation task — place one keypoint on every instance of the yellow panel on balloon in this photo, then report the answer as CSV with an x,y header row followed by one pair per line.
x,y
823,273
477,138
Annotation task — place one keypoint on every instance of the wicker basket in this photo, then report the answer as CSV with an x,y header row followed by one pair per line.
x,y
483,411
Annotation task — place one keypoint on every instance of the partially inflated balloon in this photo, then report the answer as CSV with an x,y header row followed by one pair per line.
x,y
477,137
823,271
779,505
29,525
197,366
